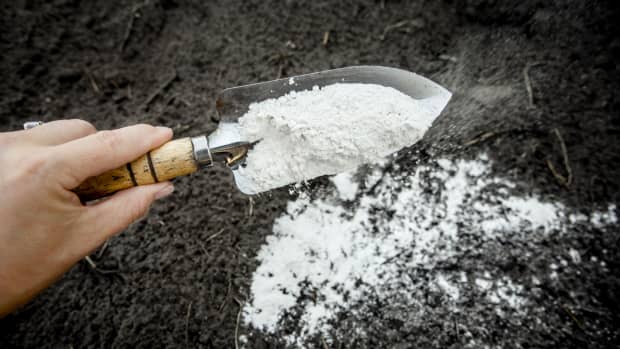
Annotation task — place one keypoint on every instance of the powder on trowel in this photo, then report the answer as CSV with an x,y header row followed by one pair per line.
x,y
306,134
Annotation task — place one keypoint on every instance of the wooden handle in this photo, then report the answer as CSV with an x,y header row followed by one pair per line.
x,y
173,159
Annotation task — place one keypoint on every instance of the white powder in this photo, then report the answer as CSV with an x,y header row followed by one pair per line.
x,y
505,290
345,185
342,256
306,134
483,284
574,255
447,287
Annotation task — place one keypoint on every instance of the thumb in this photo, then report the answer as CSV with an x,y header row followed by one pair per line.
x,y
111,216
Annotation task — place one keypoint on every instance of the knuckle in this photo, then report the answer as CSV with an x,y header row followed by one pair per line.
x,y
56,164
35,167
109,140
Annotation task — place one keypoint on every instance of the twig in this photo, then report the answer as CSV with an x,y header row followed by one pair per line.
x,y
228,289
565,181
528,83
94,267
251,204
92,81
555,173
101,271
483,137
392,27
132,18
111,272
161,88
569,171
90,262
237,324
324,344
103,248
449,58
592,311
389,28
214,235
325,38
202,247
189,309
572,316
488,135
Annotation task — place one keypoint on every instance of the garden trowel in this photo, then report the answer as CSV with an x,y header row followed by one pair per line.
x,y
225,145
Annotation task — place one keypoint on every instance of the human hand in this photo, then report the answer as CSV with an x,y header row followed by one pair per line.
x,y
44,228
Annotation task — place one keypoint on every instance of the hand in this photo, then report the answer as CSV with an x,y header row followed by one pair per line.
x,y
44,228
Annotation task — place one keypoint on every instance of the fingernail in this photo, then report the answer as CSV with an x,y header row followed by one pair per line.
x,y
165,191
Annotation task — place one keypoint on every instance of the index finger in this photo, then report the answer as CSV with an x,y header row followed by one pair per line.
x,y
106,150
60,131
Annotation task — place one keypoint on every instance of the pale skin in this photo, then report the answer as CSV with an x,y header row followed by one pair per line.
x,y
44,228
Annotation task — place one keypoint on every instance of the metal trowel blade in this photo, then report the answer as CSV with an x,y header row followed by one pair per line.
x,y
233,103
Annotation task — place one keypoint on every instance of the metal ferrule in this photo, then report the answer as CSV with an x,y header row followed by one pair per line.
x,y
231,155
202,153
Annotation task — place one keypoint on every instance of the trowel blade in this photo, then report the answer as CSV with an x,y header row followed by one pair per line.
x,y
233,103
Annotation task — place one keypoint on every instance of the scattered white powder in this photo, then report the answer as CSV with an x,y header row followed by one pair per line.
x,y
447,287
324,259
307,134
577,217
345,185
553,275
597,219
483,284
507,291
601,219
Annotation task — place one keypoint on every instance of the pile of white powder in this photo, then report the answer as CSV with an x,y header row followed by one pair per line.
x,y
306,134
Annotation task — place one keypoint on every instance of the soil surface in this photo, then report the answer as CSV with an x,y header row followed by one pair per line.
x,y
179,277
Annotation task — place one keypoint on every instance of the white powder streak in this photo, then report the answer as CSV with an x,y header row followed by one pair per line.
x,y
307,134
322,246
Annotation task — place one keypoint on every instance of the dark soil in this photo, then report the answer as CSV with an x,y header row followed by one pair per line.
x,y
177,278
